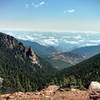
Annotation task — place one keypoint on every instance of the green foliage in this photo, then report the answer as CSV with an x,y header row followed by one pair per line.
x,y
17,70
58,63
81,74
20,74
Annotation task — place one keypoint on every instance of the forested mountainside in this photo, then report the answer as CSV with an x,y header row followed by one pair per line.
x,y
23,70
81,74
43,51
20,67
58,60
87,51
64,60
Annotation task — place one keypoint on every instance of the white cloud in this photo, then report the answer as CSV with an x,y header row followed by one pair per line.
x,y
57,39
95,41
71,42
42,3
78,37
90,44
69,11
38,5
49,42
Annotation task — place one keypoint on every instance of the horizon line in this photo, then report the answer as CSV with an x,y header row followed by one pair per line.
x,y
31,30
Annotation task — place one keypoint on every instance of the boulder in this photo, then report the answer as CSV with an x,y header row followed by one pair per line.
x,y
94,90
51,89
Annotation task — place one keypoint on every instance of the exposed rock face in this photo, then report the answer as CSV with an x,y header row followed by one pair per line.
x,y
51,89
7,41
94,90
11,43
31,55
21,68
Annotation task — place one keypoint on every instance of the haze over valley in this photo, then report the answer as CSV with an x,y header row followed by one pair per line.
x,y
49,49
61,41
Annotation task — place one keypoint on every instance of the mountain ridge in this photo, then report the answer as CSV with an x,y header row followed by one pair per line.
x,y
20,68
49,53
64,59
81,74
40,49
87,51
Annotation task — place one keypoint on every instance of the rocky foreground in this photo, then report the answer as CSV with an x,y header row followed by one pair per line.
x,y
51,93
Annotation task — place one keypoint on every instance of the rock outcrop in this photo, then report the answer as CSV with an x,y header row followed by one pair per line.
x,y
31,55
50,93
21,68
94,90
11,43
7,41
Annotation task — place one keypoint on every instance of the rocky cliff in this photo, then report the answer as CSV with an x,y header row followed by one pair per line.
x,y
21,68
11,43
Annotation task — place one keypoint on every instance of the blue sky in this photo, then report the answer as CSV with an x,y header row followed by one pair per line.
x,y
50,15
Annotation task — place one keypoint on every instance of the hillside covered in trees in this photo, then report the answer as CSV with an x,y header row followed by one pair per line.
x,y
21,68
81,74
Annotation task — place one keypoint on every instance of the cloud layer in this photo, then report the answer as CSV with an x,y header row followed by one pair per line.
x,y
63,41
69,11
35,5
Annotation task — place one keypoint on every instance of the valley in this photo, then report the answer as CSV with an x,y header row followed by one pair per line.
x,y
49,49
29,73
20,67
